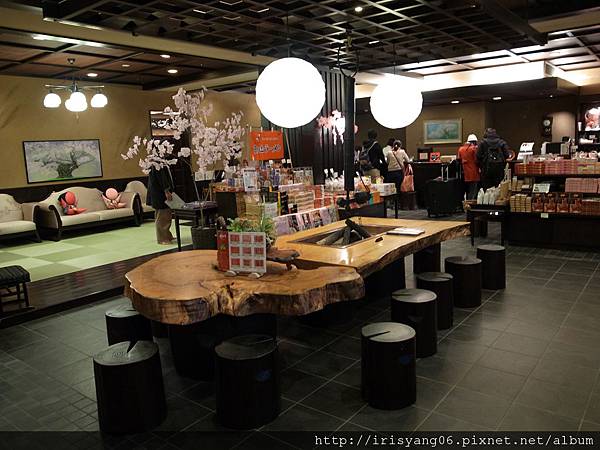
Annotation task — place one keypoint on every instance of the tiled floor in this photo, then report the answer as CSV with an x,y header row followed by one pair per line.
x,y
527,359
84,250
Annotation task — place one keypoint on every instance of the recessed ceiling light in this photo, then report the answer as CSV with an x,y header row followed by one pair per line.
x,y
496,98
231,17
125,65
39,37
455,102
200,11
358,9
92,74
551,95
258,11
164,55
373,42
172,70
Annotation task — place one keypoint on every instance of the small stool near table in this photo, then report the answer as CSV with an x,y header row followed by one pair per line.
x,y
247,381
441,284
493,266
417,309
388,365
124,323
129,388
466,273
13,286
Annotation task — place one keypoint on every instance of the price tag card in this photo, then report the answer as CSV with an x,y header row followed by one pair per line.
x,y
541,188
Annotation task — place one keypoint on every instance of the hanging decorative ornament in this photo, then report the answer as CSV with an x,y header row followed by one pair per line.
x,y
396,102
290,92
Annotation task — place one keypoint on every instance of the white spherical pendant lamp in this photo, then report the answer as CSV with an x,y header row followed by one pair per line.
x,y
396,102
290,92
99,100
52,100
76,102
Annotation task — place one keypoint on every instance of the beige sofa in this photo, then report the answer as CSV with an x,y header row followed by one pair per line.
x,y
140,188
17,219
51,219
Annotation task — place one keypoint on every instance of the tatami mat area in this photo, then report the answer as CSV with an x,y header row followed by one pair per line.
x,y
84,250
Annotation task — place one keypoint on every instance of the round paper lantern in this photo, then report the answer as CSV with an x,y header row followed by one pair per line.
x,y
76,102
52,100
290,92
396,102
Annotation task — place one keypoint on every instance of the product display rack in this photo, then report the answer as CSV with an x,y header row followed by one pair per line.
x,y
564,230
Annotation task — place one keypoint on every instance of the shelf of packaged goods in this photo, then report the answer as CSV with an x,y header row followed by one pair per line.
x,y
557,175
556,214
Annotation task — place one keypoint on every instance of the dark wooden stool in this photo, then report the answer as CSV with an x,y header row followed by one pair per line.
x,y
466,273
124,323
428,259
382,283
440,283
247,381
13,287
408,200
417,309
129,388
193,346
388,365
493,266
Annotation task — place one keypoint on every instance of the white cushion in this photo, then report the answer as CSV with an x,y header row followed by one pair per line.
x,y
109,214
17,226
77,219
10,210
147,208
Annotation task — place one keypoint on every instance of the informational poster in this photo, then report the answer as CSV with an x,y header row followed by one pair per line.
x,y
266,145
247,252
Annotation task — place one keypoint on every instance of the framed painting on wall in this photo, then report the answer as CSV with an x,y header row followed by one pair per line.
x,y
442,131
47,161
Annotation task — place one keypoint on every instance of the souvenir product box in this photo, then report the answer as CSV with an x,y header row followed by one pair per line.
x,y
550,202
537,203
247,252
575,206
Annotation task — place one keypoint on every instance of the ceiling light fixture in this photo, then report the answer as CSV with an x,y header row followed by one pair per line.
x,y
394,91
52,100
373,42
164,55
125,65
39,37
172,71
99,100
259,11
455,102
496,98
92,74
358,9
290,92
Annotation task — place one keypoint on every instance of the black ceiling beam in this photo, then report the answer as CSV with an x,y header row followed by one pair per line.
x,y
67,9
513,21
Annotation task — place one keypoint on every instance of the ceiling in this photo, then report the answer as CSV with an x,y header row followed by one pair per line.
x,y
418,36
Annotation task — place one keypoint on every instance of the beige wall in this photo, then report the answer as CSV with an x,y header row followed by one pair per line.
x,y
24,118
473,117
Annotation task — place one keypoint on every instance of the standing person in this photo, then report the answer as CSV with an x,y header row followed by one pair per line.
x,y
467,154
372,160
492,155
397,160
160,189
388,148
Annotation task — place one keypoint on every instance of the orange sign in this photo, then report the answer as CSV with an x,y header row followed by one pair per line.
x,y
265,145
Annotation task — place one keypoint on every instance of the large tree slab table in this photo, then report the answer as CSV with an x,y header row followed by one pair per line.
x,y
186,288
373,254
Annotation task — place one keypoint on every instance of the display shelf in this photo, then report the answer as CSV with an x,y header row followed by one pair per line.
x,y
555,214
557,175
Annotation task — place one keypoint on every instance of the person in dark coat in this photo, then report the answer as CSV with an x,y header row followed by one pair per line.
x,y
160,190
376,159
492,154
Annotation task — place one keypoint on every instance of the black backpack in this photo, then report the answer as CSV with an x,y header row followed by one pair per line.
x,y
364,160
494,155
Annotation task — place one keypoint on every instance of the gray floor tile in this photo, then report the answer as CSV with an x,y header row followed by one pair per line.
x,y
567,375
524,418
441,422
556,399
521,344
506,361
492,382
474,407
442,369
336,399
405,419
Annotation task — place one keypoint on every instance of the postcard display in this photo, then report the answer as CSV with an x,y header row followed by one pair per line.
x,y
247,252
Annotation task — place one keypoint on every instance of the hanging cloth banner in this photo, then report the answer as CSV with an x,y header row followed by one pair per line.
x,y
265,145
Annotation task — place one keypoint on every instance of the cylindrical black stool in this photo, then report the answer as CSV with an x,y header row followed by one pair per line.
x,y
417,309
466,273
493,266
427,259
247,381
388,365
440,283
129,388
124,323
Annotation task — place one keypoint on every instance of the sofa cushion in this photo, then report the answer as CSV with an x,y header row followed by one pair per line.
x,y
77,219
16,226
114,213
10,210
138,187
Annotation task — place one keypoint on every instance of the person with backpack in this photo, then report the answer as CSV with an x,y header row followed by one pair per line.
x,y
492,155
467,155
372,160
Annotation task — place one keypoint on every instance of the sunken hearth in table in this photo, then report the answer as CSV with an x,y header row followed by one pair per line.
x,y
351,233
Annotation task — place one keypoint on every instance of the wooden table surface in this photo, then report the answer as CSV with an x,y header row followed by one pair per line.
x,y
185,288
368,256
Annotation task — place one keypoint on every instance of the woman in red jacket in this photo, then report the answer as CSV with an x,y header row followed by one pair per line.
x,y
467,154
